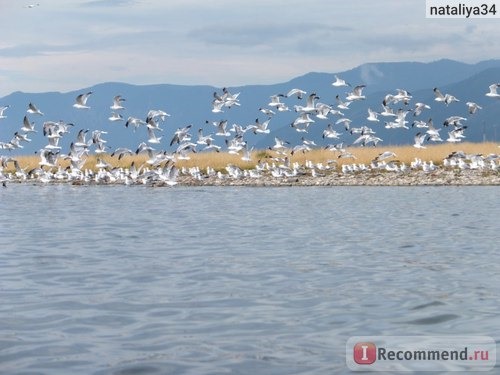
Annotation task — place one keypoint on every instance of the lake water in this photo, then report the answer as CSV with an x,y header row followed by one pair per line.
x,y
230,280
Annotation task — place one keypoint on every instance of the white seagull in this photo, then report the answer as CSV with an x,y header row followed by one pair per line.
x,y
34,110
341,104
28,127
372,115
117,103
473,107
275,100
152,138
419,140
115,117
446,99
310,106
385,155
493,91
134,121
297,92
339,82
2,110
268,112
81,101
419,107
356,93
261,128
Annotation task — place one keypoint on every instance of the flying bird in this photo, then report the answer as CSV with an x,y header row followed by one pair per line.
x,y
419,140
117,103
81,101
473,107
493,91
297,92
419,108
446,99
357,93
28,127
2,110
34,110
339,82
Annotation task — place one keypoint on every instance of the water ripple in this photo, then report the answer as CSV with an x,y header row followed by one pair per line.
x,y
243,281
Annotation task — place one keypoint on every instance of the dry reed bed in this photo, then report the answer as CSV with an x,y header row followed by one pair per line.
x,y
219,160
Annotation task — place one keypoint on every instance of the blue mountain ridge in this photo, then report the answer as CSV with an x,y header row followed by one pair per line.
x,y
193,104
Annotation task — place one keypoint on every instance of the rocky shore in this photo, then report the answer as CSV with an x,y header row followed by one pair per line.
x,y
171,176
372,178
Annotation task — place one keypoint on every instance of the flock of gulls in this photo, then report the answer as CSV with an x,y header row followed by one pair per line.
x,y
159,167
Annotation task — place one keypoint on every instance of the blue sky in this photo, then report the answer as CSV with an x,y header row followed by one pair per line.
x,y
64,45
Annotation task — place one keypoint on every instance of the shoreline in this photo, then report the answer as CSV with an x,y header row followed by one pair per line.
x,y
438,177
411,178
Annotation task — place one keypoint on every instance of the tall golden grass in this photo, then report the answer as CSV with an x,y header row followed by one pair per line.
x,y
219,160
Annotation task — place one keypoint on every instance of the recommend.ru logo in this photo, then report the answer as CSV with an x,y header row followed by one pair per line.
x,y
421,353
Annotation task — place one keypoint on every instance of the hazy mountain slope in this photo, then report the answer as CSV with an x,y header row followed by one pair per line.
x,y
192,104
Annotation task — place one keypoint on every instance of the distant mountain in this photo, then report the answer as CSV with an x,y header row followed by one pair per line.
x,y
192,105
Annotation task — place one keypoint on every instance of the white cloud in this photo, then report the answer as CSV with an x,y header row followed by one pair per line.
x,y
221,42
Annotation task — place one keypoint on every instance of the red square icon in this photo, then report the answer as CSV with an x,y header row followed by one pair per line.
x,y
365,353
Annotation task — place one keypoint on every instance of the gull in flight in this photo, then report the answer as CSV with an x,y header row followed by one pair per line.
x,y
121,152
297,92
419,140
454,120
207,140
329,132
419,107
221,128
2,110
152,138
268,112
134,121
357,93
341,104
279,144
34,110
229,99
447,99
432,132
275,101
217,105
339,82
402,95
81,101
117,103
153,113
261,128
310,106
28,127
344,121
181,135
456,135
473,107
48,158
493,91
385,155
80,139
115,117
387,111
372,115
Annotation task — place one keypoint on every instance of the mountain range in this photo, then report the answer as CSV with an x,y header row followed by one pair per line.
x,y
193,105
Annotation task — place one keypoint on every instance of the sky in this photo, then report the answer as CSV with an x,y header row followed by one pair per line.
x,y
63,45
